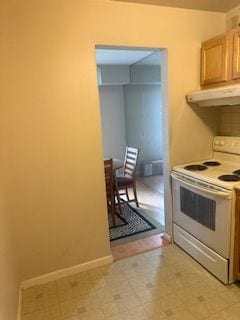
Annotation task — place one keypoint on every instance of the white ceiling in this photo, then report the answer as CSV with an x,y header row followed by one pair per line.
x,y
208,5
119,56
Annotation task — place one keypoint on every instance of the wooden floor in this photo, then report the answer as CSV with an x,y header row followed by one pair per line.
x,y
154,182
139,246
153,203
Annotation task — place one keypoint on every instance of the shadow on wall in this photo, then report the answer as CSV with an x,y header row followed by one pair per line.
x,y
210,116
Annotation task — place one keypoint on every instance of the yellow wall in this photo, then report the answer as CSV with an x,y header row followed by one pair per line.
x,y
9,276
51,148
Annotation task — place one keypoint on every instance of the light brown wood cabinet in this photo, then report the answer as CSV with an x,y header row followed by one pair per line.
x,y
220,60
236,55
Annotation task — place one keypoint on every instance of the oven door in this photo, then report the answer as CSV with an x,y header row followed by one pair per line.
x,y
204,213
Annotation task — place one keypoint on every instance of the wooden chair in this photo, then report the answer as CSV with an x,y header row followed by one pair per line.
x,y
109,183
128,179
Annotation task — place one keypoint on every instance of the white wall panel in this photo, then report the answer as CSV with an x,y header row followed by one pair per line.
x,y
113,121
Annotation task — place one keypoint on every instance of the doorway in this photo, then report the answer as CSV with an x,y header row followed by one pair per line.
x,y
129,81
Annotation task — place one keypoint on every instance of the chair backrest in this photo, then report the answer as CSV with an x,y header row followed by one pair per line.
x,y
130,163
108,168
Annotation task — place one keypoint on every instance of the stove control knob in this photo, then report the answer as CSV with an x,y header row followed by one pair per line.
x,y
222,143
217,142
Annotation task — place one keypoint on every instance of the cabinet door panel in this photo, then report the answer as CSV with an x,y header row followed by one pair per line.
x,y
214,61
236,56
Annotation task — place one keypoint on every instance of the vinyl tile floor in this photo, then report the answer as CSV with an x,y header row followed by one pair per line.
x,y
161,284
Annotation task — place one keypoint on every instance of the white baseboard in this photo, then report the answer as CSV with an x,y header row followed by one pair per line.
x,y
19,304
167,236
66,272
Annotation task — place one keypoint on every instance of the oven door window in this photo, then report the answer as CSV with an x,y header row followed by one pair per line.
x,y
199,208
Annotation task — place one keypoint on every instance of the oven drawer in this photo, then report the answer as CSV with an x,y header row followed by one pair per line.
x,y
205,216
213,262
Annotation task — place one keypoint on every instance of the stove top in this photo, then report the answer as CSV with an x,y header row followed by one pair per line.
x,y
229,177
222,170
211,163
222,175
195,167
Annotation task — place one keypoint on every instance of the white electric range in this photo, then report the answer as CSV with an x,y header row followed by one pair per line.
x,y
204,204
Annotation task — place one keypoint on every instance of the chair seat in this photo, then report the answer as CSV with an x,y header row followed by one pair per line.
x,y
124,181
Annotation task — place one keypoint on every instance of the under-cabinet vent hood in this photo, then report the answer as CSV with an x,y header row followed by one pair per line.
x,y
224,96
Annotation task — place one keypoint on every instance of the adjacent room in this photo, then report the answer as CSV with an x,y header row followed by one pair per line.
x,y
129,82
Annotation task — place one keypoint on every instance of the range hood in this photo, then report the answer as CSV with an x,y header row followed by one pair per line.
x,y
224,96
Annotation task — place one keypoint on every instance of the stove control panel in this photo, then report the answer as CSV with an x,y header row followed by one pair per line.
x,y
227,144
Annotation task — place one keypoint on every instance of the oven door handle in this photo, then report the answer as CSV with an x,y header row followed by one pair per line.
x,y
221,194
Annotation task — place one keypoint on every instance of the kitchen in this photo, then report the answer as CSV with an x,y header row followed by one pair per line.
x,y
210,223
58,110
205,193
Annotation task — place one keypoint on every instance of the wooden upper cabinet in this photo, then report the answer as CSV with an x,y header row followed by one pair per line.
x,y
214,61
236,56
220,60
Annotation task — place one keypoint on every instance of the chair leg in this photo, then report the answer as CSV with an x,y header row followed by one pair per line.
x,y
127,195
119,202
135,194
113,215
112,208
117,195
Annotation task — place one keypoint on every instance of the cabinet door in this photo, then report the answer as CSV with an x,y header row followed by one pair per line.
x,y
214,61
236,56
